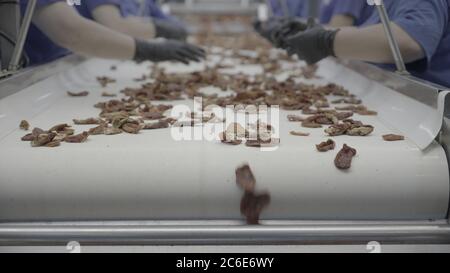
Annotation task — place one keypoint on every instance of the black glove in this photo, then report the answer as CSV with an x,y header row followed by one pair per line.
x,y
268,28
291,27
167,51
312,45
169,30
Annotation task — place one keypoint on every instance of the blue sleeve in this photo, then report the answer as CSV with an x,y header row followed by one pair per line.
x,y
156,12
352,8
40,3
92,4
296,8
88,6
424,20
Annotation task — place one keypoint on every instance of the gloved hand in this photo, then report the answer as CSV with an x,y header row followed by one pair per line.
x,y
169,30
291,27
169,50
312,45
268,28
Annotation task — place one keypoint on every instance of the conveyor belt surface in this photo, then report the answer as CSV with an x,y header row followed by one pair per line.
x,y
151,176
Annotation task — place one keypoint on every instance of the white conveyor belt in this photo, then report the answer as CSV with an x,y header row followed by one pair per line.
x,y
151,176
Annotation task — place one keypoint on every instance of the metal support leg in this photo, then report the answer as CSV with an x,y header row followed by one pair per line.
x,y
313,8
9,27
17,54
401,68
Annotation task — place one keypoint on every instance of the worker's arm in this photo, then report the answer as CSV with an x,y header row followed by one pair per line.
x,y
371,44
62,24
341,20
364,44
109,16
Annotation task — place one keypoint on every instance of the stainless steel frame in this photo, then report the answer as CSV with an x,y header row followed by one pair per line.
x,y
225,233
18,49
30,75
15,56
9,26
401,68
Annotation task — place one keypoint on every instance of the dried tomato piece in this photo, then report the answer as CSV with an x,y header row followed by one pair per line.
x,y
309,111
364,130
99,130
24,125
37,131
79,94
236,129
130,126
80,138
42,139
321,104
353,123
294,118
60,128
259,143
112,131
107,94
312,125
344,158
229,139
352,101
28,137
245,178
156,125
316,121
352,108
104,81
53,144
326,146
171,121
152,116
343,115
294,133
252,205
114,115
337,129
366,112
88,121
392,137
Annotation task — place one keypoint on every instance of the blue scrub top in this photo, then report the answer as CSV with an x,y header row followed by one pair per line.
x,y
127,8
38,47
296,8
358,9
428,23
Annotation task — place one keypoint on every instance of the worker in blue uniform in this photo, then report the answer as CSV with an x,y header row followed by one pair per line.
x,y
333,13
58,29
140,19
339,13
421,28
293,8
